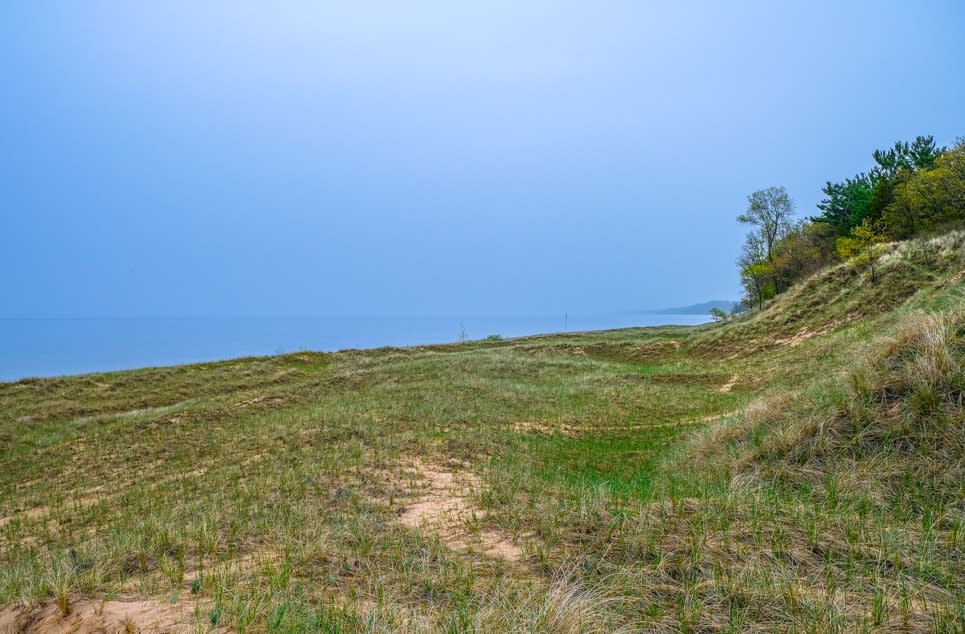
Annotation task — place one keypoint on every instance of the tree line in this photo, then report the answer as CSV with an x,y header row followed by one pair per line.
x,y
912,187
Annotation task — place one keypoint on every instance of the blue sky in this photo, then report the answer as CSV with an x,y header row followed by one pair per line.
x,y
434,157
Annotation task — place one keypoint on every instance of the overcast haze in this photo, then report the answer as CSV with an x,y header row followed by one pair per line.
x,y
434,157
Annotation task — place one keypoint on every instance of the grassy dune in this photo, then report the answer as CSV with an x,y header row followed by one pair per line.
x,y
801,468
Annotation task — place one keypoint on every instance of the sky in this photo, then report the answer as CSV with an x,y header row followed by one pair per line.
x,y
434,158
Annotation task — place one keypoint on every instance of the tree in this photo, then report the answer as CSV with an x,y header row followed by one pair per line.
x,y
895,166
952,178
919,154
881,196
755,271
862,243
756,280
804,250
846,204
717,314
928,196
769,210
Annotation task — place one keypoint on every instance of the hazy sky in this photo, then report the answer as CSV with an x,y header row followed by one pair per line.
x,y
199,158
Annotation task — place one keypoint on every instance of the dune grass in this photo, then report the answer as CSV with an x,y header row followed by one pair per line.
x,y
797,469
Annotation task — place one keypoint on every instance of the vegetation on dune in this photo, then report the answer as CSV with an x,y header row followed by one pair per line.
x,y
859,480
913,188
795,468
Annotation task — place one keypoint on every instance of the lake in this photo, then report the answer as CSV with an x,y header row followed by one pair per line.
x,y
54,347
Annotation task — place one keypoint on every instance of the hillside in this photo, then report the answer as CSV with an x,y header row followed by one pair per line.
x,y
797,468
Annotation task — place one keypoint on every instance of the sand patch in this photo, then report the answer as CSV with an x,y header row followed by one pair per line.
x,y
804,334
541,427
444,506
268,400
731,382
799,337
29,514
92,616
246,563
567,429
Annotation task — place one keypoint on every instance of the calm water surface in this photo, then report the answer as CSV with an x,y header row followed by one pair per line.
x,y
53,347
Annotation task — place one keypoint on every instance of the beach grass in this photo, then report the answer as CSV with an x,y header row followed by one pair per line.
x,y
796,469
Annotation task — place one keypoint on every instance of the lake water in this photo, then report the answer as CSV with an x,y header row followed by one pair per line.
x,y
54,347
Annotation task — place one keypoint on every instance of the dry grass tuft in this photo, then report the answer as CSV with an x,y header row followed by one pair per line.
x,y
565,607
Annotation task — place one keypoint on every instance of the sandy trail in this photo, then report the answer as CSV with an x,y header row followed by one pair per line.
x,y
444,506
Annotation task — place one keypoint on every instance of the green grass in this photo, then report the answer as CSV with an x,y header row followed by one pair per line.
x,y
819,493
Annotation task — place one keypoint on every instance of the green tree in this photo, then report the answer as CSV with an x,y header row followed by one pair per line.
x,y
952,178
895,166
770,211
756,279
929,196
846,204
881,196
919,154
861,243
755,271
